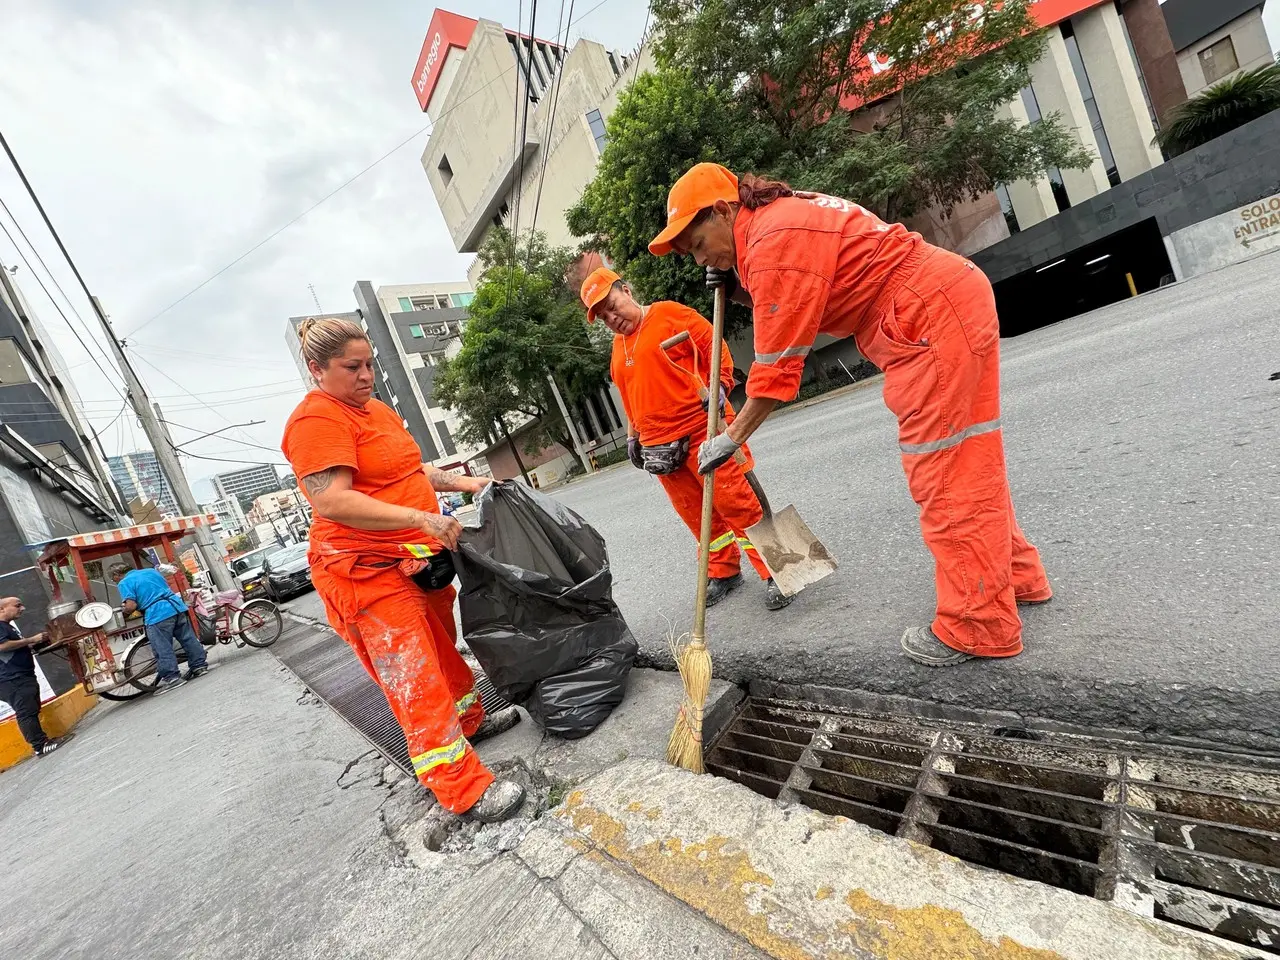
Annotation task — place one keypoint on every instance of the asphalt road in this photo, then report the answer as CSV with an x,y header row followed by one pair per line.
x,y
1143,443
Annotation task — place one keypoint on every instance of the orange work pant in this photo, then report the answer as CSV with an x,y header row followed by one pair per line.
x,y
407,640
937,339
734,508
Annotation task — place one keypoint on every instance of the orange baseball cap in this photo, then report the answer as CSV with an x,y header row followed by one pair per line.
x,y
595,288
700,187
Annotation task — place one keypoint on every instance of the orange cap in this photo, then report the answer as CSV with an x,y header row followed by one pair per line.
x,y
595,288
700,187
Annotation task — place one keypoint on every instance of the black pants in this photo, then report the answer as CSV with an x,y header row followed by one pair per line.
x,y
23,695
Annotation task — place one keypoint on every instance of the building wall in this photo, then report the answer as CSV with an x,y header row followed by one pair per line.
x,y
1248,37
398,297
1158,61
1248,231
246,483
1232,171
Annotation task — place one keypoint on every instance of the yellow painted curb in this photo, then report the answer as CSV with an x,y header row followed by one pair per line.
x,y
58,717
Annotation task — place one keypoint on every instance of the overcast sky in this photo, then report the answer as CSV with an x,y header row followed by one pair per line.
x,y
167,138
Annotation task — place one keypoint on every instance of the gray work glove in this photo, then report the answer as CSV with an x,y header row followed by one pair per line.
x,y
723,278
634,453
715,453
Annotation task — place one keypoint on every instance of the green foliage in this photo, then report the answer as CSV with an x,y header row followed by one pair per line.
x,y
523,323
767,86
1220,109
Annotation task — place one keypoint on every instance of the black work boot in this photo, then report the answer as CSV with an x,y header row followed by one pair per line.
x,y
720,587
500,802
922,645
495,723
774,598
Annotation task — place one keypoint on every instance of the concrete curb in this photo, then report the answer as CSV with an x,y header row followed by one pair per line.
x,y
800,885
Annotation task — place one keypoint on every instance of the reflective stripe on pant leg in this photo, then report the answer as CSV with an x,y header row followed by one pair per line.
x,y
684,489
736,502
722,541
933,446
449,753
466,703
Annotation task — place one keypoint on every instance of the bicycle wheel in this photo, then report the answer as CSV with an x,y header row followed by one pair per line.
x,y
140,664
258,623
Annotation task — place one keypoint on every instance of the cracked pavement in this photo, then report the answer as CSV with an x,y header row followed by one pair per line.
x,y
234,818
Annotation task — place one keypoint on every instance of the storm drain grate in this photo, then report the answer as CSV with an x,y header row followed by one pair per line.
x,y
330,669
1187,836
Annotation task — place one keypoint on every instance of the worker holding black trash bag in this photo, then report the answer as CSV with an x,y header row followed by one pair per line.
x,y
380,562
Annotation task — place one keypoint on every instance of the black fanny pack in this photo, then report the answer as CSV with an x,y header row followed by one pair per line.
x,y
666,457
437,574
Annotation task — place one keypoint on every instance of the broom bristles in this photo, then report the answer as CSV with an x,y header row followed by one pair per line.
x,y
693,660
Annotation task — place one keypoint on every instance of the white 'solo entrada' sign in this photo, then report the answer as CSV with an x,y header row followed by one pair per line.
x,y
1258,220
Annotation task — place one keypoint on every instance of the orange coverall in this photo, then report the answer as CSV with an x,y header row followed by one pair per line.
x,y
660,396
927,318
404,636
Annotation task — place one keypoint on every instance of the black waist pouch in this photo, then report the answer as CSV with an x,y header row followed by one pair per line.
x,y
437,574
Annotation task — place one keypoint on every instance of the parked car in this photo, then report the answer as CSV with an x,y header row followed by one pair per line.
x,y
287,572
247,569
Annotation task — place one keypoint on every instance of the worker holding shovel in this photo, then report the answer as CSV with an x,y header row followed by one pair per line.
x,y
661,366
813,264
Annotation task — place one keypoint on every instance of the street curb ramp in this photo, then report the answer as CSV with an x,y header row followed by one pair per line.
x,y
801,885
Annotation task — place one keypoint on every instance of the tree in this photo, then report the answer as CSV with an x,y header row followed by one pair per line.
x,y
1220,109
523,324
787,88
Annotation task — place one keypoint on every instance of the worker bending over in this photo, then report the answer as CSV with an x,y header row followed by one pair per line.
x,y
665,393
380,562
811,264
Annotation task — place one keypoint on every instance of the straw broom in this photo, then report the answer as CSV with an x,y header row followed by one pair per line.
x,y
693,659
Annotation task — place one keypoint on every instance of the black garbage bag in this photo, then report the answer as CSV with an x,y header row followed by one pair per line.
x,y
538,611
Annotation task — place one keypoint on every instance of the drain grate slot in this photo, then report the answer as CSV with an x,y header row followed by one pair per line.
x,y
329,668
1191,837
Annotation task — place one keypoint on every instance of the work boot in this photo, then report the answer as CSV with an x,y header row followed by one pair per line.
x,y
500,802
494,724
774,598
720,587
922,645
1036,598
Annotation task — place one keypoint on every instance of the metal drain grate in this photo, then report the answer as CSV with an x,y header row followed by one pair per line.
x,y
330,669
1187,836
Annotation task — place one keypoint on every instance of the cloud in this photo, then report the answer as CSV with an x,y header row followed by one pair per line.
x,y
167,137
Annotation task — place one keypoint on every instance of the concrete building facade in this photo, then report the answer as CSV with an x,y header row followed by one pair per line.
x,y
1217,40
247,483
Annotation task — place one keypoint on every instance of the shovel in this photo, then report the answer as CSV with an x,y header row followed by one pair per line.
x,y
794,556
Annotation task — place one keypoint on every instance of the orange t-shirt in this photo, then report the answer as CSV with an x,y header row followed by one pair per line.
x,y
657,387
812,265
372,441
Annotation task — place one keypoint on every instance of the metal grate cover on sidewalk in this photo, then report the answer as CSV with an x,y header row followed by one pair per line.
x,y
329,668
1188,836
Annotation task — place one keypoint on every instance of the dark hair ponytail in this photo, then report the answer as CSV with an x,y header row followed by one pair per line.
x,y
756,192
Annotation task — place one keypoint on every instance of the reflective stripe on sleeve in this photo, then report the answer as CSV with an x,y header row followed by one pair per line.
x,y
768,358
449,753
932,446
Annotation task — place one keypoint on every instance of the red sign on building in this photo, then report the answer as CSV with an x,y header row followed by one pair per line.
x,y
447,30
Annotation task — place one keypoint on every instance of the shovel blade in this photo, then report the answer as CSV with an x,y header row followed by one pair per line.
x,y
794,556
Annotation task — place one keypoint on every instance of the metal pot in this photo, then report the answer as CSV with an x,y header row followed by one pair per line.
x,y
61,608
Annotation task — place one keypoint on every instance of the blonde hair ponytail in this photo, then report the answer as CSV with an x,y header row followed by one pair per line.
x,y
324,339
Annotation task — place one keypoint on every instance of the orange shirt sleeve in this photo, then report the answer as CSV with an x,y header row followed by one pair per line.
x,y
789,306
316,441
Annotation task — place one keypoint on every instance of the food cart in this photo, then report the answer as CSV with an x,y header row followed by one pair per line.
x,y
87,632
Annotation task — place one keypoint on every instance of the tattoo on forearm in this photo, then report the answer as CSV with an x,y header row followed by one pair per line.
x,y
417,518
319,482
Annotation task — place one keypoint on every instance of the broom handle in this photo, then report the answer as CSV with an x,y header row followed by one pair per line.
x,y
699,633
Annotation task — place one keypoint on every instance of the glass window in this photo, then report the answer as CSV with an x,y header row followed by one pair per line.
x,y
1030,103
462,299
1090,103
1059,188
1219,60
596,122
415,331
1006,207
406,304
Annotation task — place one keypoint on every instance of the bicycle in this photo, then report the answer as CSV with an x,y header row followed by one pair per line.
x,y
255,622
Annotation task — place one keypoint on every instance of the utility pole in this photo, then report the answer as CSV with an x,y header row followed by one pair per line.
x,y
573,428
166,457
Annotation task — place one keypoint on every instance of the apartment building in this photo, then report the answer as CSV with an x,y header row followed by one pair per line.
x,y
247,483
139,477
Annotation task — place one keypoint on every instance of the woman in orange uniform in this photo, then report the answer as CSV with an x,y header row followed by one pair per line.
x,y
379,561
813,264
659,390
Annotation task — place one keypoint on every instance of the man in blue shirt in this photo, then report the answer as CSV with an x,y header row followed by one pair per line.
x,y
165,615
18,684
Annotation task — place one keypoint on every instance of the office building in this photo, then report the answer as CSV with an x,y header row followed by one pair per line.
x,y
231,517
246,484
139,477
